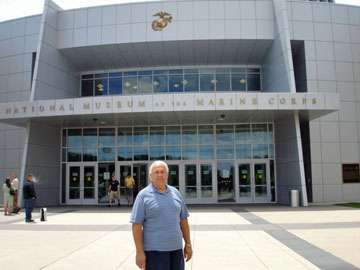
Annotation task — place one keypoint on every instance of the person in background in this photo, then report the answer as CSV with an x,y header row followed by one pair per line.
x,y
29,196
159,222
15,183
8,199
114,190
129,188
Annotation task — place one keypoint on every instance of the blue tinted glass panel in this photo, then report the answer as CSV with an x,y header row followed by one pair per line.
x,y
206,135
74,137
271,133
189,152
189,135
160,83
145,84
173,153
238,82
157,136
141,153
87,88
207,82
222,70
259,133
176,71
224,135
157,152
101,87
115,74
161,72
237,70
271,150
191,83
124,153
242,134
129,85
90,137
102,75
253,82
130,73
190,71
115,86
176,83
223,82
243,151
141,136
206,152
125,136
106,154
173,135
145,72
260,150
225,151
90,154
74,154
106,137
206,71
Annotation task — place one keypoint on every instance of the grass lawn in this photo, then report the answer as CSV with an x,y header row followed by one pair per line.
x,y
350,204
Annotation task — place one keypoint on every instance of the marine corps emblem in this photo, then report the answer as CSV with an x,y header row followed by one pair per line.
x,y
162,22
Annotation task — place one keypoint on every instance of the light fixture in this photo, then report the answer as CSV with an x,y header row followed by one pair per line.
x,y
127,84
100,87
102,122
222,117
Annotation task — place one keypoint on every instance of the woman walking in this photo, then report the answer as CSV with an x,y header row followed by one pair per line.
x,y
8,199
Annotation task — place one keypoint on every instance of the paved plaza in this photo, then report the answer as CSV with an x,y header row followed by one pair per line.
x,y
224,237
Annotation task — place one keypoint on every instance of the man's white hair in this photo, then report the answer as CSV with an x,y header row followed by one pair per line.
x,y
158,162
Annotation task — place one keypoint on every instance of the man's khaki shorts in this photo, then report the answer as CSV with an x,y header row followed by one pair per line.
x,y
114,195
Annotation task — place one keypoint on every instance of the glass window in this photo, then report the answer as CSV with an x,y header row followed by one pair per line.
x,y
223,82
130,73
125,136
206,134
224,134
173,153
90,137
124,153
74,138
238,82
160,83
63,155
101,75
206,152
260,150
259,133
141,136
106,137
253,82
115,86
74,154
157,136
101,87
189,152
176,83
161,72
225,151
271,133
87,76
207,82
90,154
271,151
115,74
191,82
243,151
157,152
141,153
145,84
173,135
189,135
64,138
87,88
129,86
106,154
175,71
242,134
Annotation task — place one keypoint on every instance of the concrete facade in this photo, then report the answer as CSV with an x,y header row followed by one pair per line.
x,y
302,47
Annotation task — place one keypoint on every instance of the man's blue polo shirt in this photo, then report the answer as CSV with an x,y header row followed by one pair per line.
x,y
160,214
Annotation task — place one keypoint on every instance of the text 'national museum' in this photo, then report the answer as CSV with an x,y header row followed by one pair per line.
x,y
244,100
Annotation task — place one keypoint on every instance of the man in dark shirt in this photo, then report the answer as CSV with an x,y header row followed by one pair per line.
x,y
29,195
114,191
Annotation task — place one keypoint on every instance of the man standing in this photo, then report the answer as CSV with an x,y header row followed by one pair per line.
x,y
114,190
129,187
29,195
15,183
159,222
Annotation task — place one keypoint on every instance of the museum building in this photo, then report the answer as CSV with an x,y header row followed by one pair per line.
x,y
244,100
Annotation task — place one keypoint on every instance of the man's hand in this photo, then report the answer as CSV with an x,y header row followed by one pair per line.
x,y
141,259
188,253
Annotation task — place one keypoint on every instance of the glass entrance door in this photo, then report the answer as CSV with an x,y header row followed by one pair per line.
x,y
81,183
225,182
140,176
253,182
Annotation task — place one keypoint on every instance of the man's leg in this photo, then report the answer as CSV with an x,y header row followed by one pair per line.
x,y
177,260
16,207
157,260
28,209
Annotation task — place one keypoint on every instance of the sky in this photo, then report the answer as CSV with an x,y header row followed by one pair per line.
x,y
12,9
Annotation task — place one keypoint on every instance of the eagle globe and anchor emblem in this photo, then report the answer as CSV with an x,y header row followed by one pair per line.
x,y
162,22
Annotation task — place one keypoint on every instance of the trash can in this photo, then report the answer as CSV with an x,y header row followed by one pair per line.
x,y
294,198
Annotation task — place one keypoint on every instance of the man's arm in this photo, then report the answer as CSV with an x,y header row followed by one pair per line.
x,y
185,228
138,240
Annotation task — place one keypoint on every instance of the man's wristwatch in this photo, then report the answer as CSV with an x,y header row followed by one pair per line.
x,y
187,245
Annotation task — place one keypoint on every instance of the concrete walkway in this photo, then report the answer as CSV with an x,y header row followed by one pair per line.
x,y
224,237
